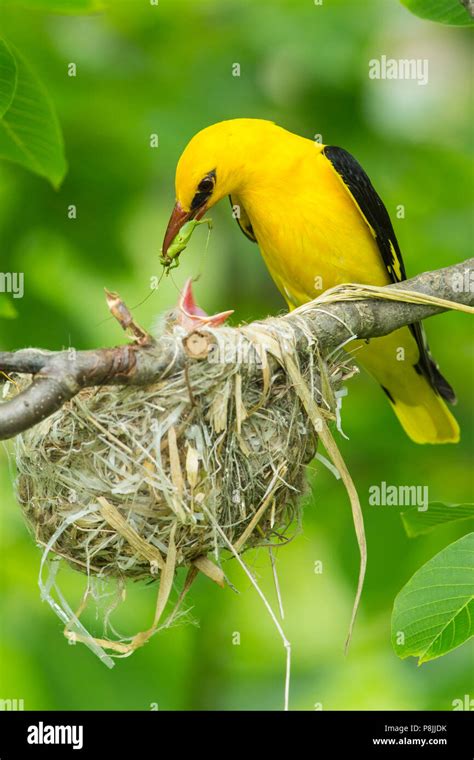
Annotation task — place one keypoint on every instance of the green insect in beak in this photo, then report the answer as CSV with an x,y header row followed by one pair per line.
x,y
179,243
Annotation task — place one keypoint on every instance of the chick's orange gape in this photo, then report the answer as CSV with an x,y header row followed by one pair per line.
x,y
318,223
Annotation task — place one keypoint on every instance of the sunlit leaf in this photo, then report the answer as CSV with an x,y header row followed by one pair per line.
x,y
452,12
7,77
417,522
30,133
434,613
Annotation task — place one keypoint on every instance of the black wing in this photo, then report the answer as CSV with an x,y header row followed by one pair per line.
x,y
376,215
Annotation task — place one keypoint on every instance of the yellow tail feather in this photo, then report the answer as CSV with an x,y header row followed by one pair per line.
x,y
421,411
427,419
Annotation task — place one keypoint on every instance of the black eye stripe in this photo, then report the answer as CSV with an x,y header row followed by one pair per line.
x,y
199,199
205,188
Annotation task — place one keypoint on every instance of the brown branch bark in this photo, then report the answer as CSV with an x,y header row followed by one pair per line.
x,y
58,376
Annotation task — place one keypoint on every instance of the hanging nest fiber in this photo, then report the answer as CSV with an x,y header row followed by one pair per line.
x,y
135,482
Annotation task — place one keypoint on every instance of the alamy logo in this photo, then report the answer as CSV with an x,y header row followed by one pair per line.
x,y
12,282
385,495
46,734
399,68
467,703
11,704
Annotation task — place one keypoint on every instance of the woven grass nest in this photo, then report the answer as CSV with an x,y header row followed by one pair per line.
x,y
135,482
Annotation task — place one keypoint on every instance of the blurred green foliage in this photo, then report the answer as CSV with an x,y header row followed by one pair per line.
x,y
453,12
417,523
29,131
167,70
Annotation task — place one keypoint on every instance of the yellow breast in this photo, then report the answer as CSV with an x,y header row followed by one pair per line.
x,y
310,232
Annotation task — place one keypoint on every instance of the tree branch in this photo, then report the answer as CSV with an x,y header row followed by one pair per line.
x,y
59,376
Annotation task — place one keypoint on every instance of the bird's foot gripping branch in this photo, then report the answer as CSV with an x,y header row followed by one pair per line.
x,y
137,460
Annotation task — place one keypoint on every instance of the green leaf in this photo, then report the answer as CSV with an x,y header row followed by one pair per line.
x,y
452,12
7,78
434,613
69,7
30,133
7,310
417,522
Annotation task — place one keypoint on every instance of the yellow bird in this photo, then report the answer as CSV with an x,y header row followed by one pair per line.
x,y
318,222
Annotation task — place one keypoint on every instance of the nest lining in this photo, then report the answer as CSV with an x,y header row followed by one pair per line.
x,y
213,456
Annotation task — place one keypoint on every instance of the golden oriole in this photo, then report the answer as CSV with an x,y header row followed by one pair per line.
x,y
318,222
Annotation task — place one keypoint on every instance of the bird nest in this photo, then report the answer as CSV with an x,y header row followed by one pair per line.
x,y
135,482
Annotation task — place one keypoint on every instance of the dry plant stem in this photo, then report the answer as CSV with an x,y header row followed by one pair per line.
x,y
322,428
276,582
331,320
265,601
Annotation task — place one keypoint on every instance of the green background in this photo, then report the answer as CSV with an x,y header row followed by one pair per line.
x,y
167,70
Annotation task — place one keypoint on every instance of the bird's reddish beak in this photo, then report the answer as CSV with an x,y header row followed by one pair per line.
x,y
178,218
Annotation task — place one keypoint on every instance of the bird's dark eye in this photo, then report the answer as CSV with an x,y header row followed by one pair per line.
x,y
206,185
204,189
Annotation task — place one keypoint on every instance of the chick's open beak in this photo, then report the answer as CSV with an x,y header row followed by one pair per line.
x,y
178,218
191,316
